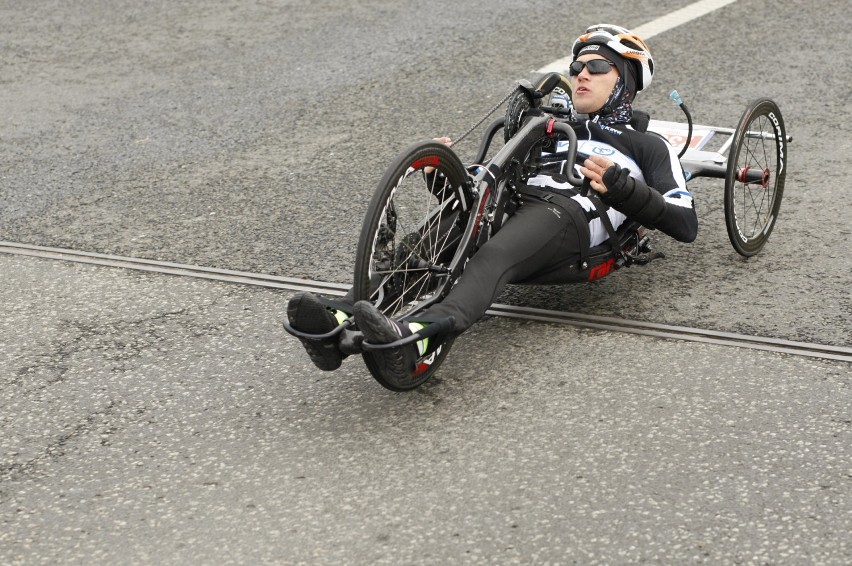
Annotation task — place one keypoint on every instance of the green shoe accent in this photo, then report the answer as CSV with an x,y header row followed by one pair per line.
x,y
422,345
340,316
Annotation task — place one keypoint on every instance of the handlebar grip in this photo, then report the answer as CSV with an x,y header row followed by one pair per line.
x,y
547,85
573,178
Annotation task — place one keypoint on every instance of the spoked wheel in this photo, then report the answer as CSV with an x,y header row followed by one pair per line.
x,y
409,237
754,182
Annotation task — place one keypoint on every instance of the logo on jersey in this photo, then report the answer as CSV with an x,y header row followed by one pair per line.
x,y
610,130
604,150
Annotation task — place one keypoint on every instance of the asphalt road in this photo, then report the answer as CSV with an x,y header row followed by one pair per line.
x,y
149,418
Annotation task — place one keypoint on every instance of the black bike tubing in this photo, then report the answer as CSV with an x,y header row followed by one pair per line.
x,y
487,138
520,143
573,178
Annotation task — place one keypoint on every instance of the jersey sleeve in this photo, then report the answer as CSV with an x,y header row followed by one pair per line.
x,y
662,202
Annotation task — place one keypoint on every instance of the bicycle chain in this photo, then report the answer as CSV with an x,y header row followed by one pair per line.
x,y
490,112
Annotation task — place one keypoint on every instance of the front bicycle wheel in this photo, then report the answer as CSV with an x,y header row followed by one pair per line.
x,y
410,234
754,181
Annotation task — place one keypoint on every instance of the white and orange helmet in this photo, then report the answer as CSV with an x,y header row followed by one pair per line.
x,y
626,44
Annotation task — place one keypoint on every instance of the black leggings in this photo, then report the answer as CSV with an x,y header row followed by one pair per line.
x,y
536,244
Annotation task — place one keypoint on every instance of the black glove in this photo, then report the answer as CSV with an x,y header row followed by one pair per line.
x,y
619,184
632,197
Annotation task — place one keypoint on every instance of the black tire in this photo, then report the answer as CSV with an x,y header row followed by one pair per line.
x,y
410,234
516,110
754,181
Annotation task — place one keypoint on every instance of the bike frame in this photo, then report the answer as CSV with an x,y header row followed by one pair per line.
x,y
491,189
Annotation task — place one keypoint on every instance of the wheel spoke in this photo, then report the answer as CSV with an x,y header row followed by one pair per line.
x,y
416,237
751,205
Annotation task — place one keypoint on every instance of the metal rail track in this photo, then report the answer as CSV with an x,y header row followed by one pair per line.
x,y
822,351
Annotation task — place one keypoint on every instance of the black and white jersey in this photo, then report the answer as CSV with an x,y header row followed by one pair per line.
x,y
648,158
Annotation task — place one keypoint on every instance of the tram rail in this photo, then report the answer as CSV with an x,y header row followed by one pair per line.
x,y
612,324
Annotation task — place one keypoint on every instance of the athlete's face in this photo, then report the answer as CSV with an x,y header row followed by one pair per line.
x,y
592,90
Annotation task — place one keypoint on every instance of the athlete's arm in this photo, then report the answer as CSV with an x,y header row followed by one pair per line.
x,y
670,212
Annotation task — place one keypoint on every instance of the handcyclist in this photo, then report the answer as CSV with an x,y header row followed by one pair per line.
x,y
637,175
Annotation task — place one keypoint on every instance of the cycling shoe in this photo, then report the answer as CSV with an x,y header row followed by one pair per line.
x,y
308,314
394,363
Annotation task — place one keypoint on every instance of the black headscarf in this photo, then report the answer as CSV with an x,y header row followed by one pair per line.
x,y
618,108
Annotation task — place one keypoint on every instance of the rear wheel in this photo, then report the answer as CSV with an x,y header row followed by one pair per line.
x,y
754,181
409,237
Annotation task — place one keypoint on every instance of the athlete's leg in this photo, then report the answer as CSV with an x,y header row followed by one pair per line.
x,y
537,236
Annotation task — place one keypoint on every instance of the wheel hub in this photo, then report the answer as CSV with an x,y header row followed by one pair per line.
x,y
746,175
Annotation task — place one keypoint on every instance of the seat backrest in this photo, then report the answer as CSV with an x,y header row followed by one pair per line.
x,y
640,121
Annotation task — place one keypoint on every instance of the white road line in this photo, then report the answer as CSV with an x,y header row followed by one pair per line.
x,y
655,27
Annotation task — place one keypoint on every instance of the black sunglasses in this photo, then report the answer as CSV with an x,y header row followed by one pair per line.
x,y
595,66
